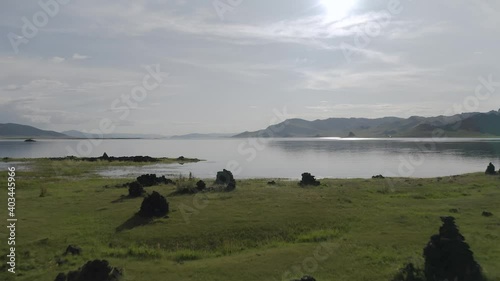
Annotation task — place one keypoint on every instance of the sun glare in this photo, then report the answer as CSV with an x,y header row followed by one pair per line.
x,y
337,9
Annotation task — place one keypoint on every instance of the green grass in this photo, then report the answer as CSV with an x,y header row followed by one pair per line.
x,y
344,229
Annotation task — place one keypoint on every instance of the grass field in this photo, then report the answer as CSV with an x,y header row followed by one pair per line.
x,y
344,229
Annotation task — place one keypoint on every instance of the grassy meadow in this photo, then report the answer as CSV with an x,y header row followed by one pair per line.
x,y
344,229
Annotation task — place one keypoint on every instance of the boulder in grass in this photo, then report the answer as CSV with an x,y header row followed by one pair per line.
x,y
308,179
487,214
225,178
96,270
201,185
154,205
490,170
73,250
135,189
448,257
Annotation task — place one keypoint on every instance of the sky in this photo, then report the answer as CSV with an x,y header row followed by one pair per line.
x,y
176,66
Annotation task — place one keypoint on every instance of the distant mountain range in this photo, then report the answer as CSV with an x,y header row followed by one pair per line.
x,y
82,135
461,125
11,130
200,136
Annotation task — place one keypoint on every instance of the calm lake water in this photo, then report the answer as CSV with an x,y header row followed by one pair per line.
x,y
283,158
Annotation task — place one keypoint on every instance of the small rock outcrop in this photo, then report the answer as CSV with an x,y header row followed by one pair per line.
x,y
201,185
308,179
448,257
490,170
96,270
73,250
487,214
351,135
135,189
154,205
152,180
226,180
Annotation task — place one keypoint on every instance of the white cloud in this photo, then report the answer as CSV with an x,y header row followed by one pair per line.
x,y
58,59
77,56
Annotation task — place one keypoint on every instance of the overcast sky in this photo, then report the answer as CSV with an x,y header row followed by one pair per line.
x,y
229,67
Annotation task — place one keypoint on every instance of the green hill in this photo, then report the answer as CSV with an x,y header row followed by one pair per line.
x,y
11,130
460,125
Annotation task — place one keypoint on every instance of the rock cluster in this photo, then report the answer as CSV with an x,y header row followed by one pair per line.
x,y
308,179
151,180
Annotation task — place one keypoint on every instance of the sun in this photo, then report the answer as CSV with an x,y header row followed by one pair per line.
x,y
337,9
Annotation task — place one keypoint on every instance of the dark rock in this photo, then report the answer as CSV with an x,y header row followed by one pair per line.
x,y
490,170
96,270
351,135
60,277
308,179
487,214
73,275
305,278
105,156
225,178
448,257
135,189
201,185
154,205
271,183
152,180
74,250
378,177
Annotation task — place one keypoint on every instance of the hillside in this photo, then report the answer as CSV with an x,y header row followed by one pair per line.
x,y
11,130
460,125
83,135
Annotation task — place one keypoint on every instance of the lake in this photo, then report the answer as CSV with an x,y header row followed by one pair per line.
x,y
282,158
